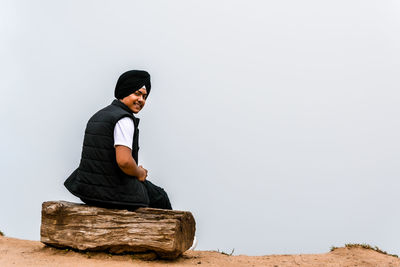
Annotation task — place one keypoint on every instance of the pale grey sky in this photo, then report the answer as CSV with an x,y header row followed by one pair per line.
x,y
275,122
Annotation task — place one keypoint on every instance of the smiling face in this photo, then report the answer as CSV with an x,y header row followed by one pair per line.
x,y
136,100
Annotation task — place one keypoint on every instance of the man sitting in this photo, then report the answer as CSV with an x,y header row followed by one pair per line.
x,y
108,174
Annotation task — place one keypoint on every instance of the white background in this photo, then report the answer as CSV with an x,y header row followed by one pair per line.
x,y
275,122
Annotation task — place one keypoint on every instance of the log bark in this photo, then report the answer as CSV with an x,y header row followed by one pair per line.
x,y
168,233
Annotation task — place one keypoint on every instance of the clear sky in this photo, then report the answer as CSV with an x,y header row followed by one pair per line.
x,y
276,123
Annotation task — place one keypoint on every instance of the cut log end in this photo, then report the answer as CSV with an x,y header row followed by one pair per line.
x,y
168,233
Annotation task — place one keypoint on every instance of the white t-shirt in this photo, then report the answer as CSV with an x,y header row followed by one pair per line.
x,y
123,132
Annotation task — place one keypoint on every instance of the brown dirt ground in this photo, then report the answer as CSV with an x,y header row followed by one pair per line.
x,y
17,252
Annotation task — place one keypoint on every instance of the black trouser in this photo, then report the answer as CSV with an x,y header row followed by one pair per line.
x,y
157,196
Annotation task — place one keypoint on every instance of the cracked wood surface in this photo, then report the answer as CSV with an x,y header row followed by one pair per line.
x,y
166,232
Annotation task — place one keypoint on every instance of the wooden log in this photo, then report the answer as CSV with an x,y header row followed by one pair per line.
x,y
168,233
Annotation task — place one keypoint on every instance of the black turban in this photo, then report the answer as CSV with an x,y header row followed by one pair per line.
x,y
130,82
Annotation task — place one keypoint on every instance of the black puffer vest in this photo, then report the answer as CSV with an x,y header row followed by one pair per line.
x,y
98,177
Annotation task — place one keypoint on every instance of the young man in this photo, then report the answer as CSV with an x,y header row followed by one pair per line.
x,y
108,174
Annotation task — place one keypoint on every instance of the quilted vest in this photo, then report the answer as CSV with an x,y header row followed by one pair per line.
x,y
98,177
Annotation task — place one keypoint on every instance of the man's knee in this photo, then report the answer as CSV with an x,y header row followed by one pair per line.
x,y
158,197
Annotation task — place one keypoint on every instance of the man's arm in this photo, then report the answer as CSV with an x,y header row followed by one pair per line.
x,y
127,164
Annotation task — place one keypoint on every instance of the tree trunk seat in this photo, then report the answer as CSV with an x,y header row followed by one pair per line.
x,y
168,233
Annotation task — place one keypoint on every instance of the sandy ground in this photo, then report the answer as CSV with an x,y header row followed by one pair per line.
x,y
17,252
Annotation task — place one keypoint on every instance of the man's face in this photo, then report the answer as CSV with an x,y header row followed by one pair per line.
x,y
136,101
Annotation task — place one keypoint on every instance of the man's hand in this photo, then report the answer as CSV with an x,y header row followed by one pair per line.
x,y
127,164
143,174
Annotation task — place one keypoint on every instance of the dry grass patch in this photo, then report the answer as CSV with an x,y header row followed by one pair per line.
x,y
365,246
